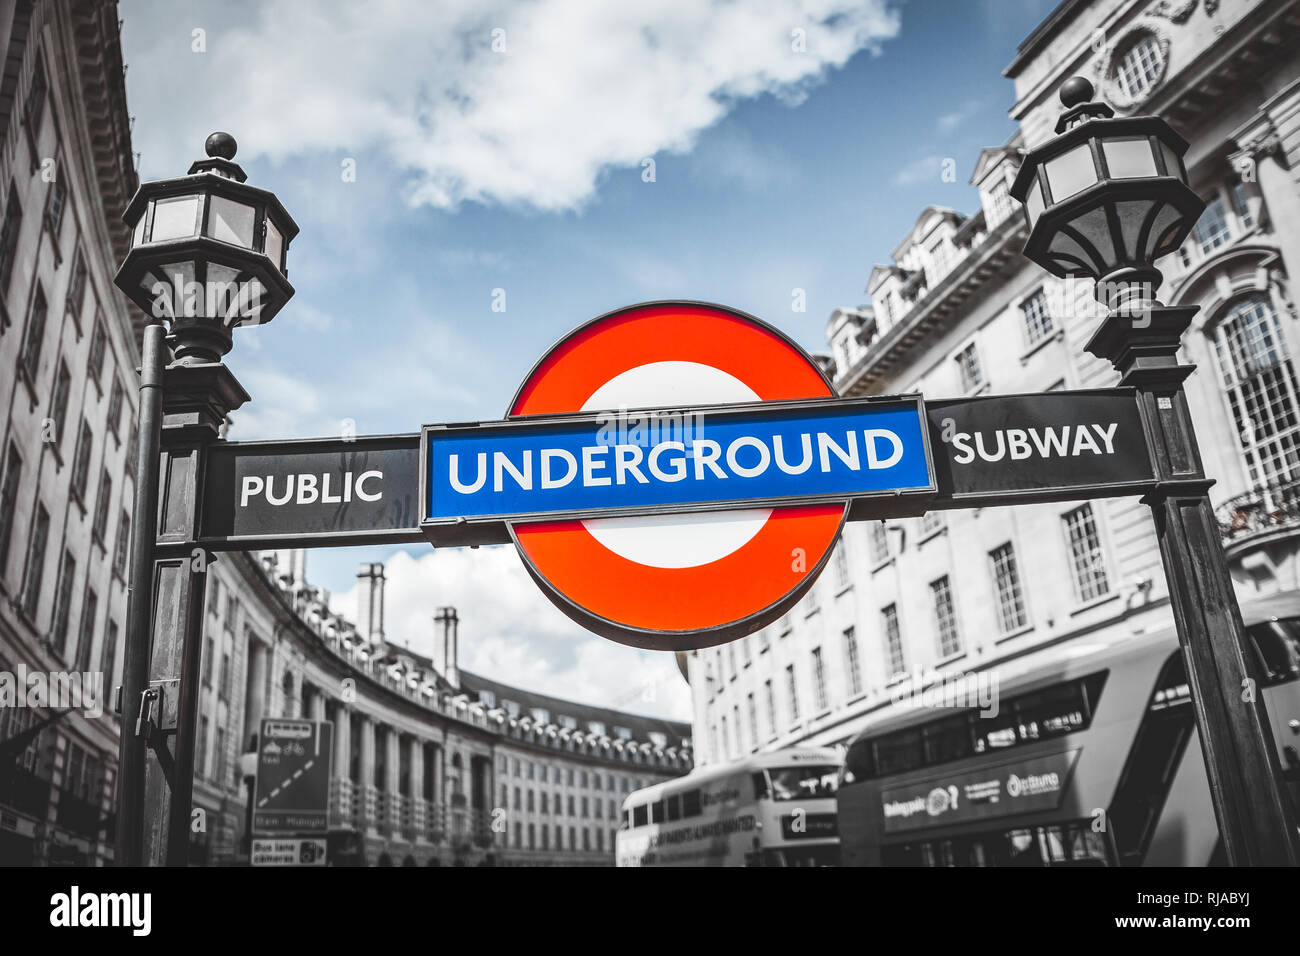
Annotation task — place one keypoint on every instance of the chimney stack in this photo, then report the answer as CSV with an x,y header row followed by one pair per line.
x,y
445,624
370,602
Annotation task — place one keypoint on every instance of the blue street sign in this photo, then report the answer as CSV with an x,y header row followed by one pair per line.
x,y
676,459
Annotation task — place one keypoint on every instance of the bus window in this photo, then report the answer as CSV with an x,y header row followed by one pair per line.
x,y
1049,713
674,807
803,783
657,812
1277,649
860,764
948,739
760,786
899,752
691,803
994,733
640,815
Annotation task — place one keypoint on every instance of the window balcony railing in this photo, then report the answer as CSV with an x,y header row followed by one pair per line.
x,y
1268,508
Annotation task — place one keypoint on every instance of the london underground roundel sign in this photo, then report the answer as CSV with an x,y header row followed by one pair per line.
x,y
686,579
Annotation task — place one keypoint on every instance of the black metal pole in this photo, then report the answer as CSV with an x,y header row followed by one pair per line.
x,y
1255,818
135,669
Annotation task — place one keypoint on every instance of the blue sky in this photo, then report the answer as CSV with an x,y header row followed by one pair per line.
x,y
522,169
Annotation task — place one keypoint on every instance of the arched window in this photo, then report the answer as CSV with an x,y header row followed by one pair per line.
x,y
1140,67
1260,381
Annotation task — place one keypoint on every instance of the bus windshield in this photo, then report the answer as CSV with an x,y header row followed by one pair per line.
x,y
802,783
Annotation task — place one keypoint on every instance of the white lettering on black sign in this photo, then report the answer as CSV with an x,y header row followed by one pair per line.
x,y
309,489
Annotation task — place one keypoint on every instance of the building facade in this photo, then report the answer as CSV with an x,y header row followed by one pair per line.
x,y
431,764
907,604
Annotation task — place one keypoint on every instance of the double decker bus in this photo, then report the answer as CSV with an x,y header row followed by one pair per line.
x,y
1092,759
769,809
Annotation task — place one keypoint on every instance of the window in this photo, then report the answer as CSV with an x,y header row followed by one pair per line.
x,y
89,611
121,549
1241,205
841,559
1086,560
59,400
36,562
108,656
201,748
225,675
62,602
770,697
1038,320
879,542
945,617
9,238
819,680
77,287
219,773
893,640
34,337
752,708
739,742
939,258
8,502
34,105
98,343
968,368
115,396
852,665
999,203
1261,387
81,464
792,688
1211,230
1140,68
209,652
56,202
1006,584
102,505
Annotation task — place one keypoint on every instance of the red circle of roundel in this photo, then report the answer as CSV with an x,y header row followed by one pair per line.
x,y
675,608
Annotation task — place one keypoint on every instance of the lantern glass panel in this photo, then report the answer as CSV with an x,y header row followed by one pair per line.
x,y
137,236
274,243
1071,172
1094,227
1172,166
175,218
231,221
1034,202
1129,158
1132,214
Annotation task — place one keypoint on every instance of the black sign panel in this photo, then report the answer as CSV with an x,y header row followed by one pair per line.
x,y
293,776
312,493
1051,446
1014,787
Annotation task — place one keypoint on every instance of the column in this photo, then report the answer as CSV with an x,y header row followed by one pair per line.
x,y
393,779
418,804
366,785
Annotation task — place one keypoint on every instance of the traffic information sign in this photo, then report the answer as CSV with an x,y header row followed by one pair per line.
x,y
291,794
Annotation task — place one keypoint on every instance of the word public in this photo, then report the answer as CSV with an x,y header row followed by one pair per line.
x,y
307,489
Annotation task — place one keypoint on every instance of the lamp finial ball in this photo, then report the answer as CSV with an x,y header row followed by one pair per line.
x,y
1075,91
222,145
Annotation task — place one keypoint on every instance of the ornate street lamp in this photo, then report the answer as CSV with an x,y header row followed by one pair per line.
x,y
207,253
1105,198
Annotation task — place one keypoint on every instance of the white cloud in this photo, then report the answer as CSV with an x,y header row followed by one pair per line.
x,y
580,87
949,122
510,632
919,170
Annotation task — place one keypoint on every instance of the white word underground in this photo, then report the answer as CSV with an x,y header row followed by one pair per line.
x,y
1067,441
673,461
309,489
75,908
59,690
